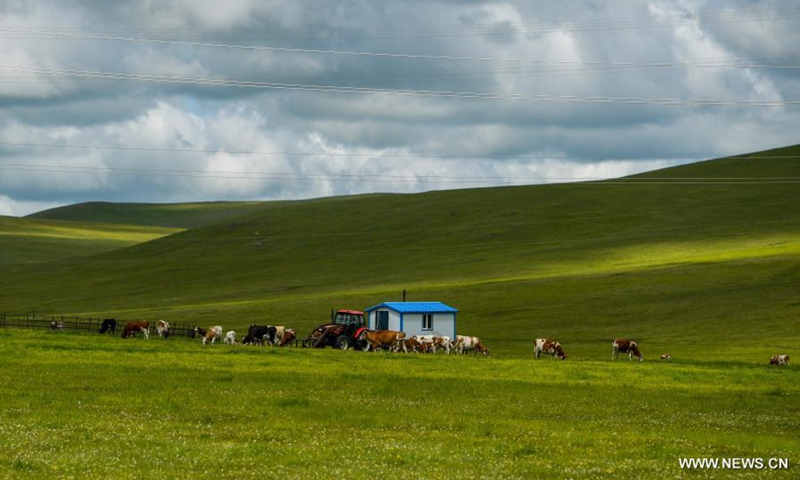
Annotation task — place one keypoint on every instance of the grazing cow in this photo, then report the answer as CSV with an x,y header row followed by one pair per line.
x,y
256,333
412,344
380,338
666,356
779,360
274,334
623,345
57,326
434,342
212,334
132,327
443,342
470,344
288,337
230,337
109,325
549,347
425,343
162,327
198,331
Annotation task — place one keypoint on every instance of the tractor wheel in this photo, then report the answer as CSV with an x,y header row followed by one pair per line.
x,y
342,342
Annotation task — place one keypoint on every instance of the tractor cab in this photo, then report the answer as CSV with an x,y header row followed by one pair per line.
x,y
353,321
349,317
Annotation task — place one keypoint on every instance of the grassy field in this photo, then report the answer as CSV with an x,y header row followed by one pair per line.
x,y
701,261
80,406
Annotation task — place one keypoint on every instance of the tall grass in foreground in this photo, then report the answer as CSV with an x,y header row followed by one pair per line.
x,y
80,406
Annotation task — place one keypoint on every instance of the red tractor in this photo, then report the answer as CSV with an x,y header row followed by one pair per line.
x,y
347,329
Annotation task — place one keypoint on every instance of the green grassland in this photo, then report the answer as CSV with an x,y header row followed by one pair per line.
x,y
700,261
80,406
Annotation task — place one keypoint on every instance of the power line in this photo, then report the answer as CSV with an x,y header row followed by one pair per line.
x,y
720,16
402,92
735,63
384,178
264,153
283,176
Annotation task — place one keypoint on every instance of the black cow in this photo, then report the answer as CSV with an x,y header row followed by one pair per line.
x,y
197,331
109,326
258,333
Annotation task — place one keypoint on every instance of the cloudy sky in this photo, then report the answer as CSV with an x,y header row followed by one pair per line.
x,y
189,100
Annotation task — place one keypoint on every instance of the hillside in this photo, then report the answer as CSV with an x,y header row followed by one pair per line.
x,y
650,256
27,241
174,215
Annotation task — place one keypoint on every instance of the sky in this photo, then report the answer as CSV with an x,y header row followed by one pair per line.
x,y
202,100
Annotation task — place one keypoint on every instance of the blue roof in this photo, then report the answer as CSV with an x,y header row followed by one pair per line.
x,y
415,307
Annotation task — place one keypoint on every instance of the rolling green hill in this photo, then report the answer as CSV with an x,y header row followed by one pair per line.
x,y
174,215
705,254
27,241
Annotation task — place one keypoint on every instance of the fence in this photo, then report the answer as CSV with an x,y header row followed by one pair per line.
x,y
36,321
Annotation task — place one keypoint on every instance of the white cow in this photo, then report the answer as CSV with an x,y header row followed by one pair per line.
x,y
162,327
230,337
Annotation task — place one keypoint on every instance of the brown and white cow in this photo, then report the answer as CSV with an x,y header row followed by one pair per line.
x,y
623,345
212,334
162,327
288,337
779,360
132,327
389,338
466,343
432,343
549,347
443,342
411,345
425,343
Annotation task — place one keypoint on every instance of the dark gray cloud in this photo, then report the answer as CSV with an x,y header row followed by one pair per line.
x,y
312,143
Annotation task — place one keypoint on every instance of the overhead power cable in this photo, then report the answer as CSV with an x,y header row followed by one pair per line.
x,y
389,178
420,93
707,17
264,153
728,62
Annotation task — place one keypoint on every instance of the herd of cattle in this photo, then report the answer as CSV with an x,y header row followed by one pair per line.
x,y
377,339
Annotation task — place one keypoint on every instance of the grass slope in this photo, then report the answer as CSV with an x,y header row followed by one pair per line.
x,y
175,215
25,241
659,260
